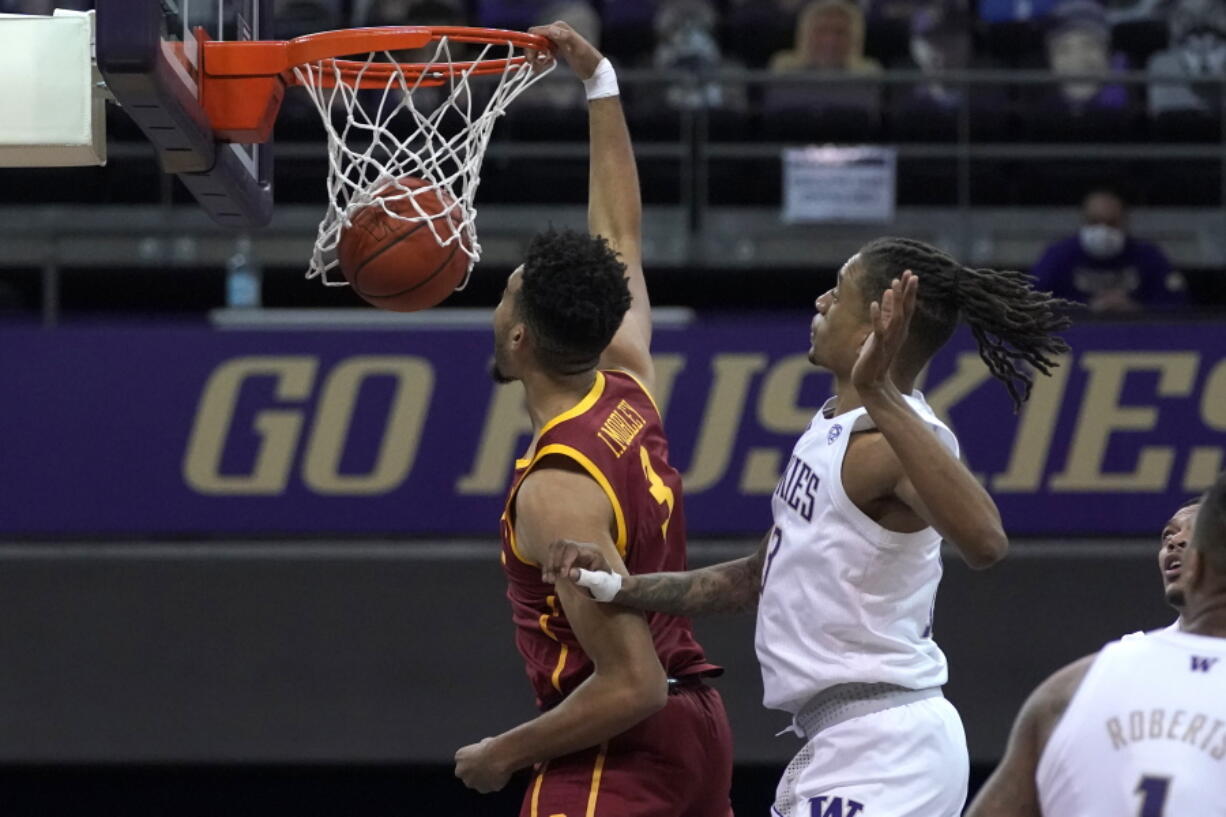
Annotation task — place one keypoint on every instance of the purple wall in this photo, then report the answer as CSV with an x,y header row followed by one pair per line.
x,y
190,431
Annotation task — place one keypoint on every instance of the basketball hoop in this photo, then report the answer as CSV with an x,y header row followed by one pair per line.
x,y
380,126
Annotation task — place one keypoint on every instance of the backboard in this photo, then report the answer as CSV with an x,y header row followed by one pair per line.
x,y
149,53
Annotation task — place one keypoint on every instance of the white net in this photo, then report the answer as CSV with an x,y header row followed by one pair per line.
x,y
411,127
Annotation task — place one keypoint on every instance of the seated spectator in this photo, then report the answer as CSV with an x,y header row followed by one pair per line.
x,y
685,40
829,40
940,41
1198,51
1106,268
1078,43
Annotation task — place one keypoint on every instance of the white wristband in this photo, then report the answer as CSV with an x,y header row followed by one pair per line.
x,y
604,586
602,82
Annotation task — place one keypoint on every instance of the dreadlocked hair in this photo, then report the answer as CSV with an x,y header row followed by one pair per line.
x,y
1013,323
574,296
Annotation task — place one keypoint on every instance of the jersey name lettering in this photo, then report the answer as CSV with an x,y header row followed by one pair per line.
x,y
621,427
798,488
1193,728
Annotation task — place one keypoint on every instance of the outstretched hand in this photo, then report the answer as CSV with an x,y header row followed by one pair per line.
x,y
565,558
575,51
891,319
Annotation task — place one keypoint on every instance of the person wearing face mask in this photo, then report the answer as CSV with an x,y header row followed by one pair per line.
x,y
1104,267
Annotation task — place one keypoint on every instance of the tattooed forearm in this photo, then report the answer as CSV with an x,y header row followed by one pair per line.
x,y
730,587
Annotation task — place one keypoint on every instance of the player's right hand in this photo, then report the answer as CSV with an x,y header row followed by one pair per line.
x,y
565,558
578,53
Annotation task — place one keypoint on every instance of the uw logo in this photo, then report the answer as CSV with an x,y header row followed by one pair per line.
x,y
1202,664
826,806
835,431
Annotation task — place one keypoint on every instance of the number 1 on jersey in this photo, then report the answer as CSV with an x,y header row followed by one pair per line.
x,y
1153,792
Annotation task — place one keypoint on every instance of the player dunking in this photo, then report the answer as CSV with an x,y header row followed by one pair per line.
x,y
628,728
845,581
1139,727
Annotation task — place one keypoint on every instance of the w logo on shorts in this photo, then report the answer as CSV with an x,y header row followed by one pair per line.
x,y
826,806
1201,664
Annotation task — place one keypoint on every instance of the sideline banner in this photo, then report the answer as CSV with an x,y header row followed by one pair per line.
x,y
166,431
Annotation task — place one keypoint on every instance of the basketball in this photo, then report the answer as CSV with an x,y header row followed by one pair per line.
x,y
400,265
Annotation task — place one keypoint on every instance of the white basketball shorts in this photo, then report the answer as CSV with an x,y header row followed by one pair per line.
x,y
906,761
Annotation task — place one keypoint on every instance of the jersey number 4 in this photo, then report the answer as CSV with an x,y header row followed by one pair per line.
x,y
659,491
1153,791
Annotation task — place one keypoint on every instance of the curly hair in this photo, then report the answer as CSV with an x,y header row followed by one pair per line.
x,y
574,296
1012,322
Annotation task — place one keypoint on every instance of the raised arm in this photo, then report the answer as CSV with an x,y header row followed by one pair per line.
x,y
615,210
728,587
928,477
627,683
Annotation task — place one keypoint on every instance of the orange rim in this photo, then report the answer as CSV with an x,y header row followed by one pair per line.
x,y
270,58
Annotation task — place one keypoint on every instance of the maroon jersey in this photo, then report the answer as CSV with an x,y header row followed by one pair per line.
x,y
615,434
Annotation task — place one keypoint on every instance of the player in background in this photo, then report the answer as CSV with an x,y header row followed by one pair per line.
x,y
1139,728
1176,534
845,582
628,728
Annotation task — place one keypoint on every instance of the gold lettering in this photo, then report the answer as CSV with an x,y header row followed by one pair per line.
x,y
1036,427
1117,733
278,430
667,368
1213,398
970,374
780,411
621,427
1205,462
398,445
721,419
1101,415
506,424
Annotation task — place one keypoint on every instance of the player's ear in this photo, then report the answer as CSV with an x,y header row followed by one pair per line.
x,y
518,335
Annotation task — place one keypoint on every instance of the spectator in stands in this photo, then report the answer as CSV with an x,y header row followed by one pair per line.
x,y
1078,43
940,41
686,40
830,40
1198,51
1106,268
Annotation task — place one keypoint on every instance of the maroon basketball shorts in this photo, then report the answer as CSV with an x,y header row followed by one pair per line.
x,y
677,763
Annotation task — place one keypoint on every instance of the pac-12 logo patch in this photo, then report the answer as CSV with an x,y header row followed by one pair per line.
x,y
835,431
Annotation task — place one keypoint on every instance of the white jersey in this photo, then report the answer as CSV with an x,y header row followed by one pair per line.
x,y
843,599
1144,734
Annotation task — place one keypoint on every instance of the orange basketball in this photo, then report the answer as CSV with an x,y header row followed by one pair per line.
x,y
399,265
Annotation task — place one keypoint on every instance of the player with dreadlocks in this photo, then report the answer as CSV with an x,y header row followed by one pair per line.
x,y
845,581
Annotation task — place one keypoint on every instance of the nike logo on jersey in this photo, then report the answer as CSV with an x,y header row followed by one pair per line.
x,y
826,806
1202,664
